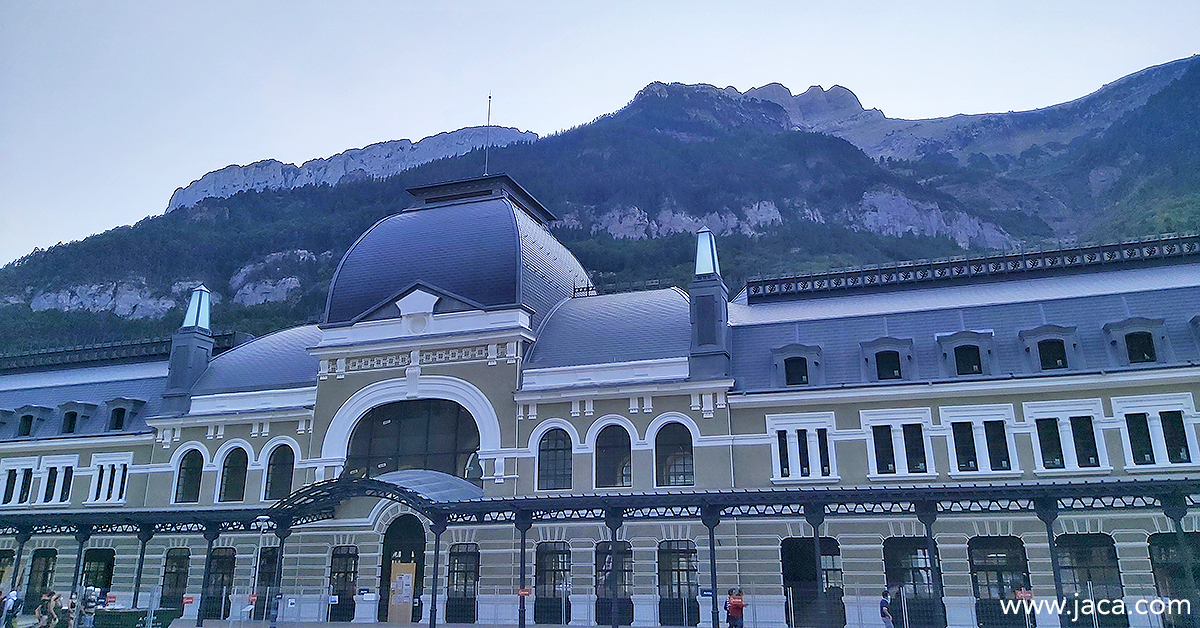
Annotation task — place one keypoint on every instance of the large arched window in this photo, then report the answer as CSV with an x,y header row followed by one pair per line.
x,y
554,460
233,476
421,434
613,464
673,456
187,487
280,466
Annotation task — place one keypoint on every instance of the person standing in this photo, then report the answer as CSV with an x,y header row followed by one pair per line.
x,y
736,606
885,609
12,606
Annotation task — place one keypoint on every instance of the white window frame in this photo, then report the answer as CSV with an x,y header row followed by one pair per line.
x,y
1151,406
20,465
791,423
1062,411
42,474
106,470
897,419
977,416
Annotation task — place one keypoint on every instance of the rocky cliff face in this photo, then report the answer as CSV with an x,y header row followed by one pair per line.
x,y
377,160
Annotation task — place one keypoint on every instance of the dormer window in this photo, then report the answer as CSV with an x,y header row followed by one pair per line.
x,y
1139,346
967,353
25,426
797,365
1052,354
888,359
795,371
116,419
1139,340
887,365
121,412
70,422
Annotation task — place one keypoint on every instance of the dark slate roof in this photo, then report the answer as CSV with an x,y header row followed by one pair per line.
x,y
840,327
278,360
621,327
489,252
148,390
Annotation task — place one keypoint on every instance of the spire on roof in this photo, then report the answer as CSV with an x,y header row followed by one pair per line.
x,y
198,309
706,253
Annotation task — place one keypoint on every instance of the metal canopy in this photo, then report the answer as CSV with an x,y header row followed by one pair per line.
x,y
318,500
132,521
458,502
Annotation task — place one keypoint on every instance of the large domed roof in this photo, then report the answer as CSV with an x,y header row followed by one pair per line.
x,y
482,242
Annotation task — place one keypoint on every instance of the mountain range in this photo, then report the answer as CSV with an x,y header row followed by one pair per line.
x,y
791,183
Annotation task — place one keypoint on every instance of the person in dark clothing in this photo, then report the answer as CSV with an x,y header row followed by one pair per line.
x,y
885,609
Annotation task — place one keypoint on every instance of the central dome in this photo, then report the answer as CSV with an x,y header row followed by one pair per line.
x,y
483,242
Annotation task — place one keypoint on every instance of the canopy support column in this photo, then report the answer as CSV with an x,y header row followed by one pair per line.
x,y
710,516
523,521
83,532
927,514
814,514
1047,510
283,529
145,533
614,518
437,524
22,537
211,532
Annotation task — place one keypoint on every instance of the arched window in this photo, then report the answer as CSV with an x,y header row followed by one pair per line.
x,y
280,467
116,420
673,456
233,476
187,487
429,434
613,464
554,460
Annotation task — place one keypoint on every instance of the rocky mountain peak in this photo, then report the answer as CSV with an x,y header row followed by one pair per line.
x,y
376,160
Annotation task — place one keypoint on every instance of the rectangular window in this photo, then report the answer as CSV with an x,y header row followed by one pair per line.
x,y
914,447
781,436
1140,346
69,421
706,318
64,494
1084,437
1051,444
997,444
175,575
885,456
795,371
823,450
1176,436
25,427
887,365
51,480
802,440
26,485
10,486
967,361
1139,438
1052,354
964,446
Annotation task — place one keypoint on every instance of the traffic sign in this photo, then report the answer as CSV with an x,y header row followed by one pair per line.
x,y
524,592
1024,594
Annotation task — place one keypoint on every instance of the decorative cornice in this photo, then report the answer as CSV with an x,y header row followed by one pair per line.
x,y
1165,247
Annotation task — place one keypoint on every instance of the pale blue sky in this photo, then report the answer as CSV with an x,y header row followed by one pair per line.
x,y
107,107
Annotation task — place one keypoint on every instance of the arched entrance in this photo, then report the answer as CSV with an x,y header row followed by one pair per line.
x,y
403,542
